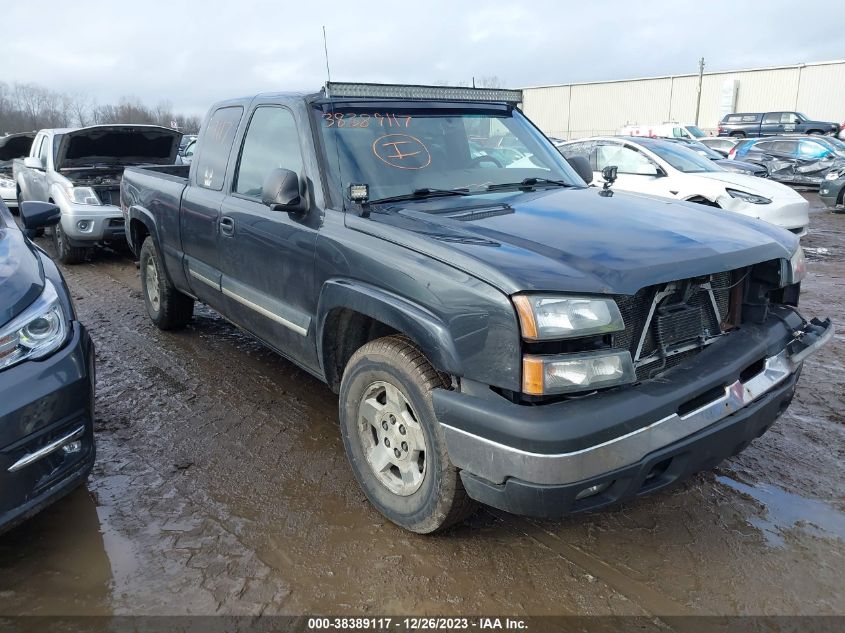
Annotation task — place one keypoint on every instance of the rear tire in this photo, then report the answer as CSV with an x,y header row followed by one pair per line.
x,y
66,253
738,134
168,308
393,440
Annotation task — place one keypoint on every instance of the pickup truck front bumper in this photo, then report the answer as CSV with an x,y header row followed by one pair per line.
x,y
583,454
85,224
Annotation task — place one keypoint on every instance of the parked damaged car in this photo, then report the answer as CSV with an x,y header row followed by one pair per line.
x,y
660,167
495,333
80,170
736,166
46,374
12,146
794,160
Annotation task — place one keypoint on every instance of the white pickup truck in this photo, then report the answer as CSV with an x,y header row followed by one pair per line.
x,y
80,171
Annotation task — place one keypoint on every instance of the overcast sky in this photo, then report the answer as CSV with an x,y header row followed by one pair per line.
x,y
193,52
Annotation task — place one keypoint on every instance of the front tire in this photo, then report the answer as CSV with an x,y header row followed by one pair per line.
x,y
168,308
66,253
393,440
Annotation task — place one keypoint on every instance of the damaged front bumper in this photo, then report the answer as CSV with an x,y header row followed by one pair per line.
x,y
582,454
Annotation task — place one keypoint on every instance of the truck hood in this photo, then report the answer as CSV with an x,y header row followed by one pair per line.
x,y
15,146
577,239
118,145
21,275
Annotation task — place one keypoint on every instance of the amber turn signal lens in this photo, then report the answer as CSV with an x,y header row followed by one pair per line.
x,y
532,376
526,316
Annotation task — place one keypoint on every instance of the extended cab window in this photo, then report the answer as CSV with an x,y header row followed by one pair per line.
x,y
216,145
772,117
271,143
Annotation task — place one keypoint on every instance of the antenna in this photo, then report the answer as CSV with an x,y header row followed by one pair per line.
x,y
328,71
334,132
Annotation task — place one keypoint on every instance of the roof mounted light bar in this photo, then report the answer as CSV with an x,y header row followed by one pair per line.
x,y
401,91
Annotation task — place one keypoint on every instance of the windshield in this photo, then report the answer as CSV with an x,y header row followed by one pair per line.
x,y
397,150
683,158
695,131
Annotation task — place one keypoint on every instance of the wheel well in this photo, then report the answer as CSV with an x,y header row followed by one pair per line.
x,y
738,134
819,132
704,201
138,232
344,332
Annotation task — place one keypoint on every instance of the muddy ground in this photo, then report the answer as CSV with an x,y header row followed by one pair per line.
x,y
221,487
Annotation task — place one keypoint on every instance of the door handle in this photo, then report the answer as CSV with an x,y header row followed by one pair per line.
x,y
227,226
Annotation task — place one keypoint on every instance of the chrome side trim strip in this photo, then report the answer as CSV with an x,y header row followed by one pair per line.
x,y
204,279
262,310
496,462
52,447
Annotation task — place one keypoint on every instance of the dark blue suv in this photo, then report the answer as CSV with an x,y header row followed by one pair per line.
x,y
46,374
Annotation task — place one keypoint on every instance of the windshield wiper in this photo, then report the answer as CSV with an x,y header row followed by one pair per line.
x,y
528,183
422,193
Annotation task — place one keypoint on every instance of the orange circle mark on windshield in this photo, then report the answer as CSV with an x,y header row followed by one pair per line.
x,y
402,151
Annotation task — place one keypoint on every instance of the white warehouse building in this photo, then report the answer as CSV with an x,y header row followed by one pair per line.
x,y
577,110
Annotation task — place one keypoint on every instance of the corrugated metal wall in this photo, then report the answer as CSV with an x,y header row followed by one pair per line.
x,y
578,110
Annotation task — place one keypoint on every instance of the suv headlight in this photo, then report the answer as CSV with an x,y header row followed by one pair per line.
x,y
545,375
796,268
544,317
83,195
748,197
834,174
35,333
6,183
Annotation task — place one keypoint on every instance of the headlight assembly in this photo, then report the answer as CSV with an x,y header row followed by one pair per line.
x,y
545,317
6,183
83,195
834,175
748,197
546,375
35,333
796,267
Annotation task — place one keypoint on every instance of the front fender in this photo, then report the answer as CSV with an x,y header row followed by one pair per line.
x,y
423,327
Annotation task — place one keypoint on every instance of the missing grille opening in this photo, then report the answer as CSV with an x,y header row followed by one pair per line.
x,y
699,401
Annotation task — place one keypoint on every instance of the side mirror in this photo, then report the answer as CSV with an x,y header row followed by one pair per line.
x,y
582,167
37,215
609,173
33,162
281,191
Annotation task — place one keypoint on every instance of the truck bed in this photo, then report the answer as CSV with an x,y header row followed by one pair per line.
x,y
155,192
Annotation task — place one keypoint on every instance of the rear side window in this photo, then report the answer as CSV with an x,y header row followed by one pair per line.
x,y
216,144
271,142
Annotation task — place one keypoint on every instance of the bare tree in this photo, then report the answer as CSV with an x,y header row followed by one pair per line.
x,y
27,106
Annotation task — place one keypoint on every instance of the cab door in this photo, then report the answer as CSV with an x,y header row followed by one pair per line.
x,y
771,125
199,215
267,257
36,179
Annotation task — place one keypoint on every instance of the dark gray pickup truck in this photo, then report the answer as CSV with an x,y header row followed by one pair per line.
x,y
496,329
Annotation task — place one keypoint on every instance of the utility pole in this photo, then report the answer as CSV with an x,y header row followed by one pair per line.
x,y
700,78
